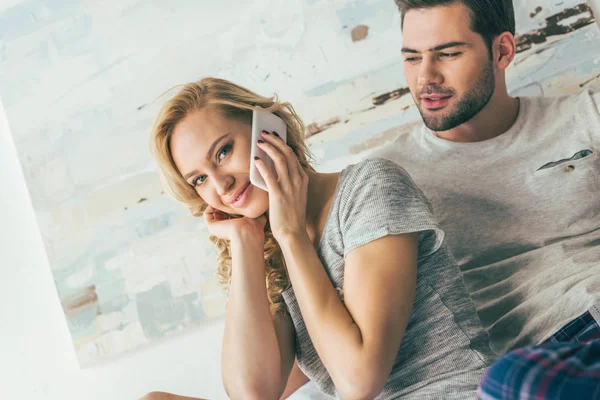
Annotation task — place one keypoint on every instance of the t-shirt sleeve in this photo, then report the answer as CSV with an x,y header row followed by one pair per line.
x,y
379,198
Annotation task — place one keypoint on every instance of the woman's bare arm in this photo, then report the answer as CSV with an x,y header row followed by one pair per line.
x,y
356,340
258,348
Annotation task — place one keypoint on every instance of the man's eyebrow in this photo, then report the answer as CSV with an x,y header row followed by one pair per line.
x,y
407,50
437,48
447,45
208,154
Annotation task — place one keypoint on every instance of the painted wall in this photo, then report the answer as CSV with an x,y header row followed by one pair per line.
x,y
38,359
78,81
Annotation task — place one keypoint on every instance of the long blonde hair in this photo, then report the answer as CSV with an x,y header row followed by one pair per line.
x,y
233,102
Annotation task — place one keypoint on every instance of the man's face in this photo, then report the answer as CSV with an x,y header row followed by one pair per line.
x,y
448,67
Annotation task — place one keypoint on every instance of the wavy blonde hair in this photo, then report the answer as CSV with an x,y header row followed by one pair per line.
x,y
233,102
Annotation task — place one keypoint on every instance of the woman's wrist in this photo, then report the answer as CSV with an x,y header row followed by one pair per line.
x,y
247,254
290,240
248,241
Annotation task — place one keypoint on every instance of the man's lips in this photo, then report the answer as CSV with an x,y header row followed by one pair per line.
x,y
237,194
435,101
435,96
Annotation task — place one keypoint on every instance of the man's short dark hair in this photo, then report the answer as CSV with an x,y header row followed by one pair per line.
x,y
489,18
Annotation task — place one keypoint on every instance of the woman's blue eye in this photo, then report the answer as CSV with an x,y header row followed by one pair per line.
x,y
224,151
220,155
197,181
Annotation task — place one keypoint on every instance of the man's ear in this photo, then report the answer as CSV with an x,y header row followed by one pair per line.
x,y
505,50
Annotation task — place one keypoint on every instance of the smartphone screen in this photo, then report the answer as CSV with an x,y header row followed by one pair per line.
x,y
263,120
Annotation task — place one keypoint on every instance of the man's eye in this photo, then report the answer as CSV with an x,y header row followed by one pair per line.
x,y
412,59
224,151
449,55
198,180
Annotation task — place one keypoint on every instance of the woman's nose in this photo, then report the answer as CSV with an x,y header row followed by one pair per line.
x,y
224,184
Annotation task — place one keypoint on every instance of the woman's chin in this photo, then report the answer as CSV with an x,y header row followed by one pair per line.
x,y
255,212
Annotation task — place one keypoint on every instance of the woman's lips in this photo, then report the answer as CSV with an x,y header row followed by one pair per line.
x,y
240,199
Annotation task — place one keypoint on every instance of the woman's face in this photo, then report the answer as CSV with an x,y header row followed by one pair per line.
x,y
213,155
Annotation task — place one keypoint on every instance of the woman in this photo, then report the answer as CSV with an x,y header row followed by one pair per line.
x,y
346,272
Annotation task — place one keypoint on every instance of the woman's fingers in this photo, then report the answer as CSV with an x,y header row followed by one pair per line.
x,y
212,215
296,172
208,214
301,173
267,175
281,154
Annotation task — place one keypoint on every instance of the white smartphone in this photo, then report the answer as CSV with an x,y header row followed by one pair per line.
x,y
263,121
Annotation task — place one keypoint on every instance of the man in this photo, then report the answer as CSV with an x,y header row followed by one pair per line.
x,y
515,184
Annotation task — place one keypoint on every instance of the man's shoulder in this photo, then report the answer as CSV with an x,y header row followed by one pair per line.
x,y
547,119
552,107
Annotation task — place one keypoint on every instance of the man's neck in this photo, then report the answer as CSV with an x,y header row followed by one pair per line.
x,y
497,117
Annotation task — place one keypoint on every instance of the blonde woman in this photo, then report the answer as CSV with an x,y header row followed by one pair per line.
x,y
346,272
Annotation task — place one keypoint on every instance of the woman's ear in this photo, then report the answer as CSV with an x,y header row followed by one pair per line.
x,y
505,49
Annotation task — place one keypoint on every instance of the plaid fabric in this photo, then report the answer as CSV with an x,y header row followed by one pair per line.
x,y
565,366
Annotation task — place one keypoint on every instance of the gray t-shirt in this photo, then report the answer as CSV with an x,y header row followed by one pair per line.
x,y
445,350
521,213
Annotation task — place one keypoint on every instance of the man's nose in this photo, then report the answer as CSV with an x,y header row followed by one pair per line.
x,y
429,73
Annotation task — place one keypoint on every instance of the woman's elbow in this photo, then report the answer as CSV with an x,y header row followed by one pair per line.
x,y
363,387
253,390
362,393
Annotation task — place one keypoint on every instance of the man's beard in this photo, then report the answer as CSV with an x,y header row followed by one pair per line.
x,y
471,103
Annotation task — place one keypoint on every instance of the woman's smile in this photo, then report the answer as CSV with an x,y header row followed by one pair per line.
x,y
240,198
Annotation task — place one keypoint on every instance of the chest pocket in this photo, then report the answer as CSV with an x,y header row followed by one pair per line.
x,y
566,194
568,161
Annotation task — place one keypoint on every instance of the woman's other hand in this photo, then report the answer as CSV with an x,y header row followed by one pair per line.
x,y
224,226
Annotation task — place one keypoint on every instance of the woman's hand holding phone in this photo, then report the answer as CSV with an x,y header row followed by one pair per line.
x,y
287,187
264,121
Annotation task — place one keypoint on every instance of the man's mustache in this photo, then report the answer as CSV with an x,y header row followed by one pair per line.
x,y
436,89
